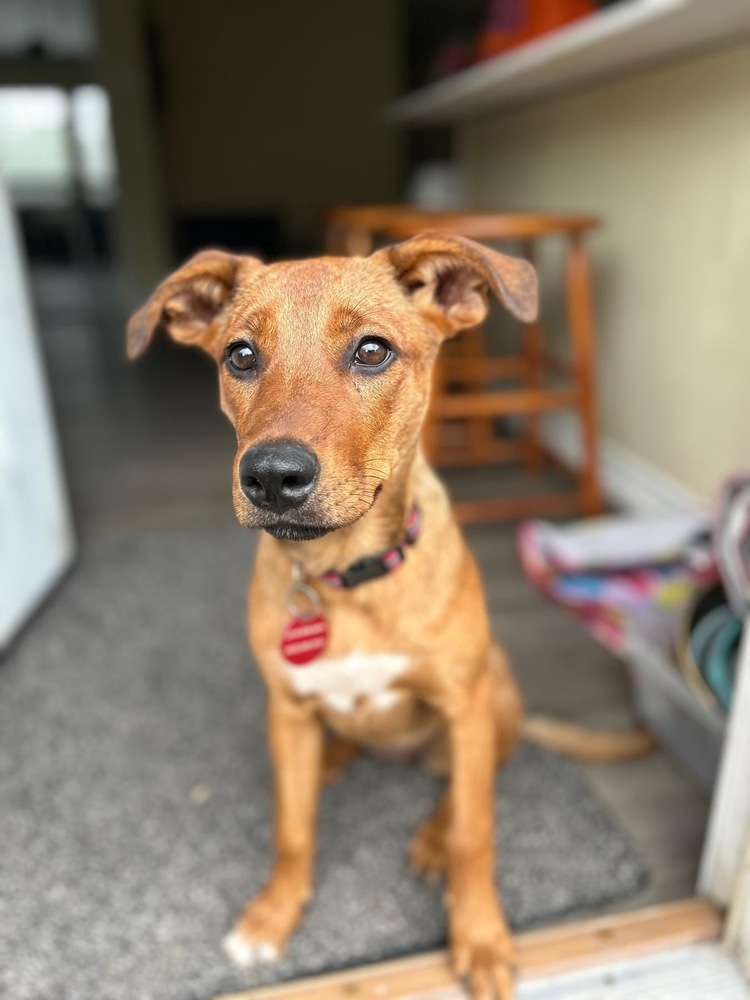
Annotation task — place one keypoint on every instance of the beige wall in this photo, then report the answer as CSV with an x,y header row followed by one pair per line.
x,y
665,159
277,104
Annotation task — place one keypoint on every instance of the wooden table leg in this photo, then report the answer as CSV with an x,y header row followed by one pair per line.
x,y
472,344
581,329
431,430
356,242
531,350
333,240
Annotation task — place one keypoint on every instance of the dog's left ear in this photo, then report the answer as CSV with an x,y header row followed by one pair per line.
x,y
188,301
449,279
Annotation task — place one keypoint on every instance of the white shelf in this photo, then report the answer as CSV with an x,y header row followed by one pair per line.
x,y
617,40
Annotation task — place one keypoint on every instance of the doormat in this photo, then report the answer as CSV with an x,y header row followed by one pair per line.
x,y
135,799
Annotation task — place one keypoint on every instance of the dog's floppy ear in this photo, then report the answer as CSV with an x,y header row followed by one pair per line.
x,y
188,301
449,279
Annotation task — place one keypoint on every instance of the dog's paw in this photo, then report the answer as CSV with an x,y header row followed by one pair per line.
x,y
483,955
246,952
266,924
428,853
486,971
428,849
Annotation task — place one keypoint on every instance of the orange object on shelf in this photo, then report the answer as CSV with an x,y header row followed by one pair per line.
x,y
512,22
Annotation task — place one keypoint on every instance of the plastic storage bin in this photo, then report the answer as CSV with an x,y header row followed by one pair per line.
x,y
691,733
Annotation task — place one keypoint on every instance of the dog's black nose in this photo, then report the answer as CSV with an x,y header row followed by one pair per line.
x,y
278,476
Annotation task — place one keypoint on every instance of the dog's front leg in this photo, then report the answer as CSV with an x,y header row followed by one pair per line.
x,y
296,742
481,944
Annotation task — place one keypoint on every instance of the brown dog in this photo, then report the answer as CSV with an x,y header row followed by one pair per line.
x,y
325,373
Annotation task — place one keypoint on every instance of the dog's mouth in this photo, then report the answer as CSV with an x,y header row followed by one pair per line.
x,y
286,531
291,531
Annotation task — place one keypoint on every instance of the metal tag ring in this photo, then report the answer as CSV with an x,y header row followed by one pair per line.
x,y
305,590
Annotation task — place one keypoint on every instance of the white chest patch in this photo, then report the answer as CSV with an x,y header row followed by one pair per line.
x,y
341,682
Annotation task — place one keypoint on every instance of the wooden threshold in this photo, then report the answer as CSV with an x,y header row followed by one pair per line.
x,y
540,954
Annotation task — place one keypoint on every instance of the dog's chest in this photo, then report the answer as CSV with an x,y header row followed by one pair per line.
x,y
341,683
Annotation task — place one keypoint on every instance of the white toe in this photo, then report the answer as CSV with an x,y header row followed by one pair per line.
x,y
245,953
238,950
267,953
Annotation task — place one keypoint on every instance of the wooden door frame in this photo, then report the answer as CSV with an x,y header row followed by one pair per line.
x,y
725,867
36,528
729,821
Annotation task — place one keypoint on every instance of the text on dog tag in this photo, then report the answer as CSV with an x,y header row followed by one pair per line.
x,y
304,638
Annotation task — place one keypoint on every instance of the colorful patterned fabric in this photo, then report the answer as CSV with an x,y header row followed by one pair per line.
x,y
612,601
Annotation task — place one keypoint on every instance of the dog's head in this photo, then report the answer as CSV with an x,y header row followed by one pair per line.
x,y
324,365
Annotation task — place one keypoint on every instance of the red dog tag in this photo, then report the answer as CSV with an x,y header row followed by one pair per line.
x,y
304,638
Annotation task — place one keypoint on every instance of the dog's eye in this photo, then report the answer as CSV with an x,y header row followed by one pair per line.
x,y
372,353
241,358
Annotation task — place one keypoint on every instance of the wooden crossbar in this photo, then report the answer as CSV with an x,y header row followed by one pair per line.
x,y
494,404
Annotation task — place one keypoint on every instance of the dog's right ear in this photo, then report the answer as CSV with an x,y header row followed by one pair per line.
x,y
188,301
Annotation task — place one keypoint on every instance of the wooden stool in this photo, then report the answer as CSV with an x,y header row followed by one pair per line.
x,y
466,364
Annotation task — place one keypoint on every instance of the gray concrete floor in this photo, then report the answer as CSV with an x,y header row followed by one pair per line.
x,y
146,448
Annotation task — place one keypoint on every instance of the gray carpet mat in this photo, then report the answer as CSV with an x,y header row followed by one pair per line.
x,y
135,799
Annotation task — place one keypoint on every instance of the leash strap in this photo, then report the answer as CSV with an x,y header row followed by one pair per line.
x,y
372,567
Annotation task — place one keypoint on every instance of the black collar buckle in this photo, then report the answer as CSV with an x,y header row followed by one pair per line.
x,y
371,567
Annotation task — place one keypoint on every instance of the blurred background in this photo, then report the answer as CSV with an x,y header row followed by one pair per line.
x,y
132,134
135,132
